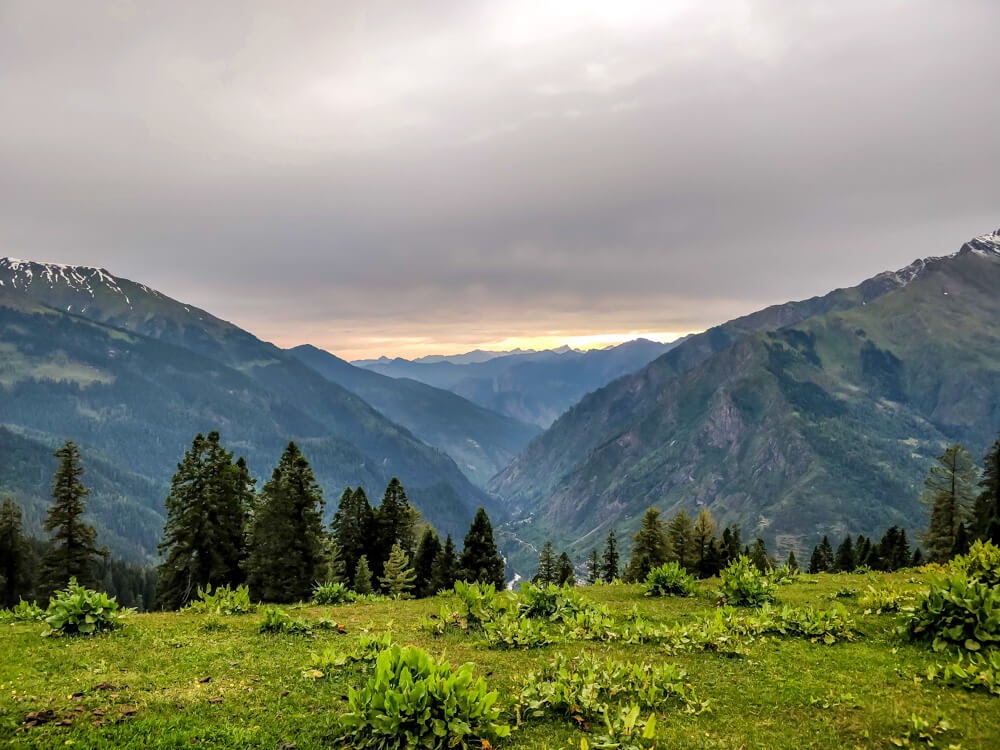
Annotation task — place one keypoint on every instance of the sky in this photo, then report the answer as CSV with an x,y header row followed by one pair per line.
x,y
406,178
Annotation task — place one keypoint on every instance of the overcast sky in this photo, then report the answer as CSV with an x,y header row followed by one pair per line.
x,y
415,177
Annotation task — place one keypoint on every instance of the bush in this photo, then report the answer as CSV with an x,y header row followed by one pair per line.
x,y
744,586
333,593
365,653
480,602
551,602
982,563
516,632
413,701
670,579
276,621
957,610
976,672
77,610
23,612
879,601
225,601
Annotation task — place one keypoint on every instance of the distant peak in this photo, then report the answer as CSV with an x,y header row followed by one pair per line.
x,y
25,274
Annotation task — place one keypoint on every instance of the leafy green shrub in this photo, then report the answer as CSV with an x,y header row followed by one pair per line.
x,y
744,586
982,563
922,732
784,575
826,625
957,610
516,632
276,621
551,602
23,612
413,701
224,601
365,652
625,730
670,579
77,610
975,671
333,593
480,602
878,601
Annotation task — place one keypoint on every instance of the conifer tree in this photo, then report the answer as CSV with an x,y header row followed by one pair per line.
x,y
445,570
73,551
336,570
593,567
703,540
204,540
893,551
395,523
759,557
16,558
844,561
863,552
731,547
399,576
948,496
547,572
791,562
287,540
353,528
651,548
565,574
363,576
611,559
423,562
680,534
987,508
918,558
480,560
822,557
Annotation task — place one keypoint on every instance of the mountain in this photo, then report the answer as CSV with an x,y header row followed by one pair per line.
x,y
131,375
480,441
810,418
534,387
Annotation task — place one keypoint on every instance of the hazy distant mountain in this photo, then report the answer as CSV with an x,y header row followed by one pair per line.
x,y
131,375
479,440
808,418
533,387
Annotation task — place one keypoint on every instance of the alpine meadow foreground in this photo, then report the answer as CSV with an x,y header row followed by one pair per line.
x,y
824,667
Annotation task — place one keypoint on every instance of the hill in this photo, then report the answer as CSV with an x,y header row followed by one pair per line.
x,y
131,375
480,441
811,418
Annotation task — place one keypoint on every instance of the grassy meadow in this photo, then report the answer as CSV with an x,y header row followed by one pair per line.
x,y
170,680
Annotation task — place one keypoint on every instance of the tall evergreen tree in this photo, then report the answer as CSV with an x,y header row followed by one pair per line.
x,y
948,495
480,560
611,558
893,551
792,563
703,541
423,562
399,576
651,548
363,576
863,551
395,523
73,551
353,527
336,569
822,557
731,546
680,534
445,566
287,539
759,557
547,571
844,561
565,574
593,567
16,559
986,521
204,539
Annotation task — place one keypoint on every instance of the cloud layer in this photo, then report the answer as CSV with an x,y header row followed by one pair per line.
x,y
388,177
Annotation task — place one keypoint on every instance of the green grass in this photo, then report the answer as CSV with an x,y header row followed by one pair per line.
x,y
146,686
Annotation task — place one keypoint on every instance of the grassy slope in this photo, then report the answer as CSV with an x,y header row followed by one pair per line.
x,y
785,693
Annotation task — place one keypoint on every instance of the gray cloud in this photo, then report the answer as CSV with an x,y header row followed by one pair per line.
x,y
457,173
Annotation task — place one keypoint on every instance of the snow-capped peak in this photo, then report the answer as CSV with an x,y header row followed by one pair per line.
x,y
986,244
22,274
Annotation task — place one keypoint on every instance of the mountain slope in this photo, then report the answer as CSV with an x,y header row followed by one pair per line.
x,y
480,441
809,418
533,387
132,375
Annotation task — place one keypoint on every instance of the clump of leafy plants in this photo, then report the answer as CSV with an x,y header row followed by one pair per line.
x,y
223,601
333,593
480,602
410,700
364,653
982,563
516,633
973,671
23,612
551,602
670,579
881,600
784,575
923,732
745,586
77,610
817,625
957,610
278,622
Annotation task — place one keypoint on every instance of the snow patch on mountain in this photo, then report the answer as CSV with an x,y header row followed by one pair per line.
x,y
22,274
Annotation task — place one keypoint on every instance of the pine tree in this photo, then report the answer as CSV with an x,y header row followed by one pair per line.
x,y
363,576
565,574
611,559
353,528
480,560
16,558
731,545
204,540
445,570
399,576
72,552
987,508
395,523
593,567
547,571
863,552
948,495
893,551
680,534
703,539
844,561
792,563
759,557
822,557
287,539
651,548
336,569
423,562
918,558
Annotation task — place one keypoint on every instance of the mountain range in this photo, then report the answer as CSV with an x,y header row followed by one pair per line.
x,y
803,419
